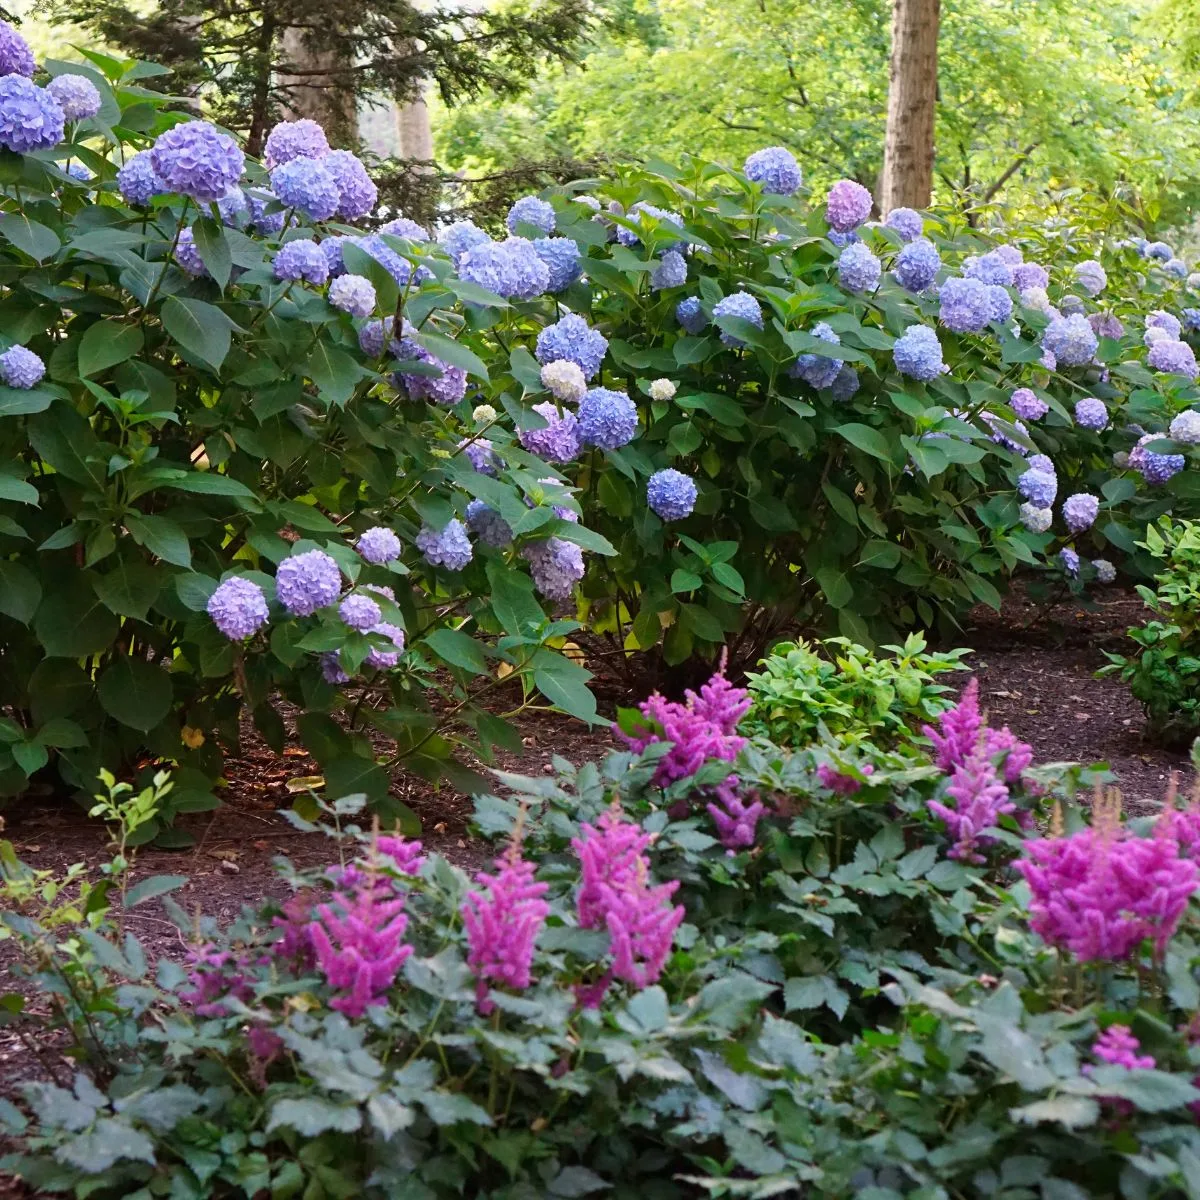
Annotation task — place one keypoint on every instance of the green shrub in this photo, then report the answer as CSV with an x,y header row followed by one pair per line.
x,y
1164,673
847,690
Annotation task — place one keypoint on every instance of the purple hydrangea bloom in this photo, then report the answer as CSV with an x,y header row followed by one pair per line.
x,y
270,224
1155,468
574,340
196,160
448,387
1091,277
1106,325
460,237
816,371
670,271
76,95
353,294
79,172
1176,267
396,265
556,566
847,206
1069,561
846,385
373,335
558,440
1030,275
1072,305
331,669
990,268
1080,511
1191,316
305,185
302,259
917,264
775,168
531,210
379,545
627,237
1002,304
187,255
690,315
1160,319
488,525
30,118
1105,571
294,139
1091,413
307,582
907,222
1185,428
511,268
1172,358
333,248
1036,520
742,305
357,193
842,240
232,206
360,613
561,256
21,368
1041,462
671,494
382,660
1038,487
136,180
858,269
1159,251
917,353
1071,340
965,305
481,455
405,227
16,58
607,419
1027,406
449,547
238,608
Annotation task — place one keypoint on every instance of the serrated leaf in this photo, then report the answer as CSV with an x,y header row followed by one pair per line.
x,y
199,327
310,1116
135,692
107,343
449,1108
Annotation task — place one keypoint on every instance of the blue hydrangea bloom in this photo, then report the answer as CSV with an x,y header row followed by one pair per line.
x,y
1090,413
187,255
965,305
294,139
847,206
858,268
1038,487
558,440
30,118
846,385
1036,520
405,227
1026,404
1071,340
1030,275
918,353
450,548
16,58
1002,305
907,222
671,494
302,259
741,305
917,264
561,256
76,95
1069,561
460,237
816,371
989,268
1107,325
1191,319
1159,251
353,294
238,608
775,168
1185,428
1080,511
379,545
628,237
690,315
356,191
556,566
267,223
1009,253
332,248
446,388
383,659
573,339
1155,468
196,160
360,613
488,525
607,419
1176,267
78,171
1041,462
510,268
842,240
136,180
21,368
1160,319
233,206
1105,571
396,265
481,454
671,271
305,185
307,582
531,210
1071,304
1091,277
1172,358
373,335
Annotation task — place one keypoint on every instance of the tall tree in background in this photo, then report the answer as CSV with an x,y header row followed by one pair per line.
x,y
257,60
912,106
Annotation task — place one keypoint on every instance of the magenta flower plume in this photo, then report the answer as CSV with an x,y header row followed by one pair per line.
x,y
407,857
736,821
980,798
358,940
503,925
960,733
1119,1048
840,782
215,976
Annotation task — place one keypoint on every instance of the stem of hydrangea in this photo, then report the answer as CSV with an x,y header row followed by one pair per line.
x,y
170,256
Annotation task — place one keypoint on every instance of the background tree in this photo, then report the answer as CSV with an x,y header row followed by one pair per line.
x,y
912,106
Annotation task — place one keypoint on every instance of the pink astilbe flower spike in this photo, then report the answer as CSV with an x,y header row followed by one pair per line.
x,y
215,976
503,926
979,801
736,821
406,856
841,783
1118,1047
962,727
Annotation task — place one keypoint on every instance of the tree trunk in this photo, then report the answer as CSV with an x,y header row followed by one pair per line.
x,y
416,136
329,99
912,103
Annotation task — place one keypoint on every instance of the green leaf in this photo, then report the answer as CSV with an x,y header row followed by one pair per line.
x,y
565,685
210,483
107,343
64,440
17,402
452,352
334,372
701,622
449,1108
576,1181
20,592
1072,1112
835,585
354,774
129,589
162,537
73,623
864,438
108,1142
214,250
136,693
310,1116
18,490
458,649
152,888
199,327
513,601
36,240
